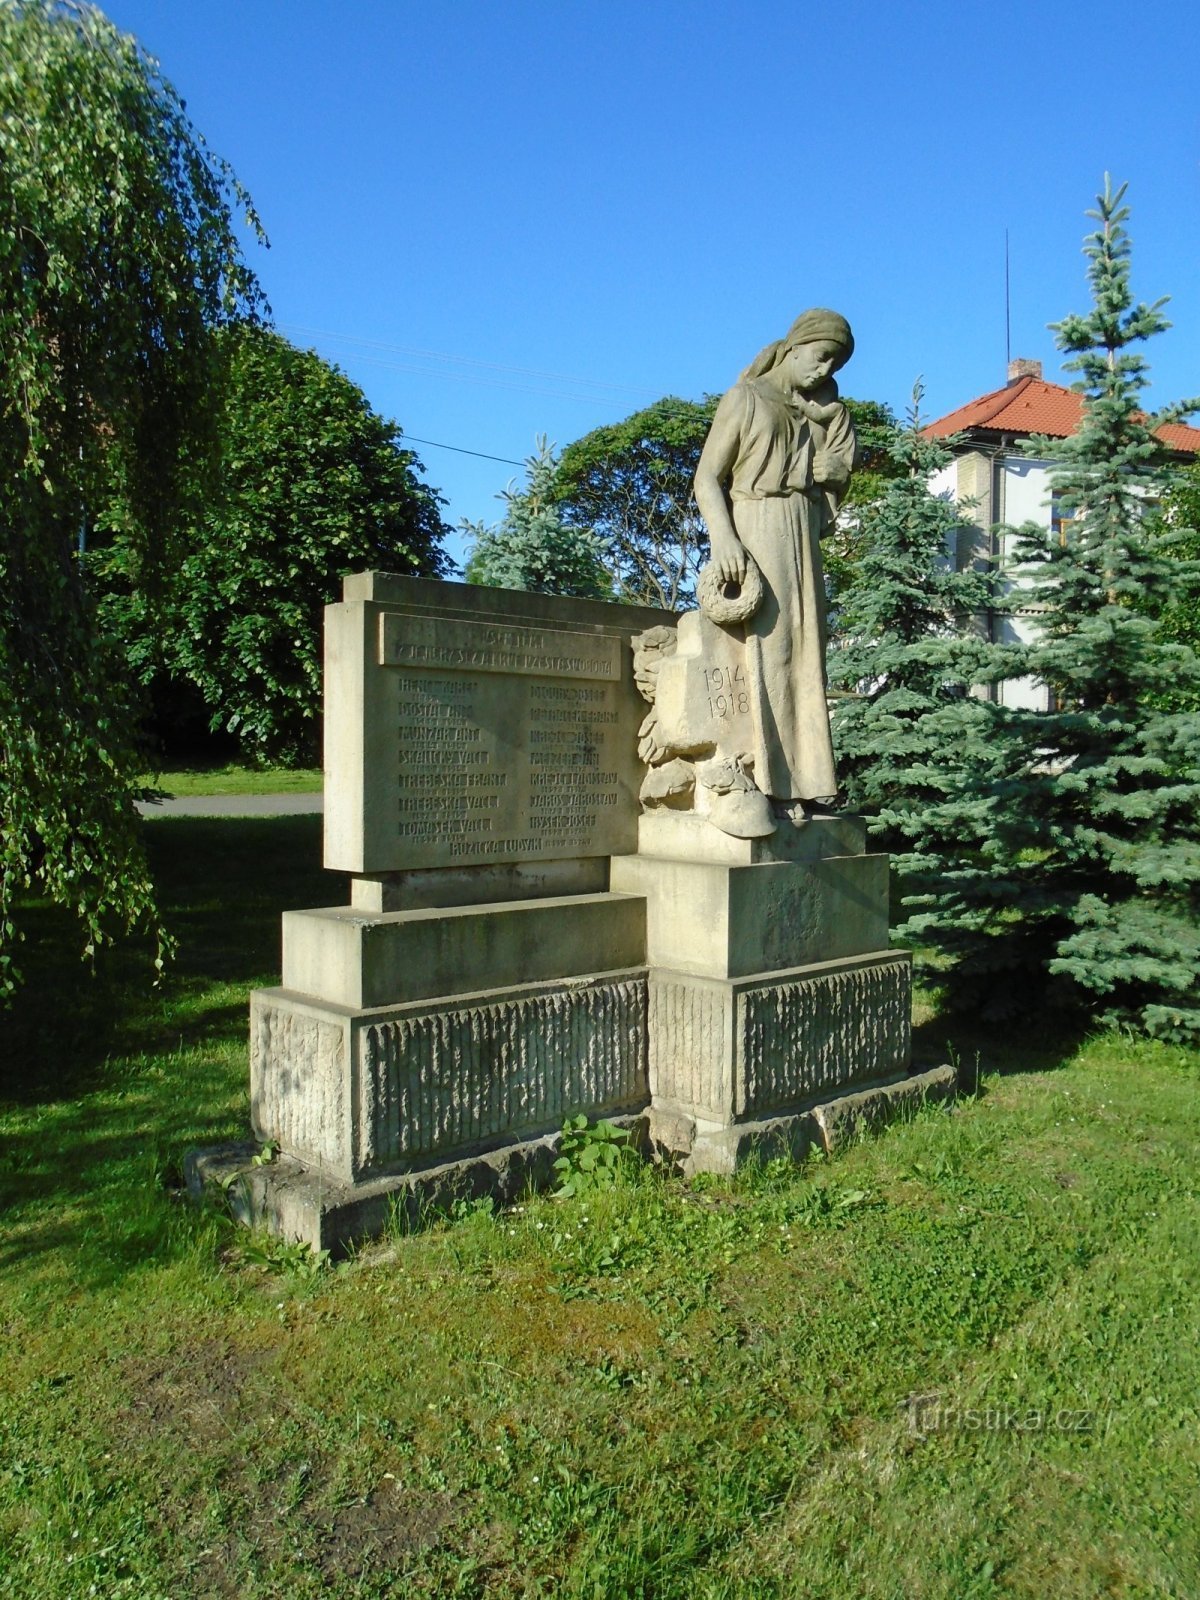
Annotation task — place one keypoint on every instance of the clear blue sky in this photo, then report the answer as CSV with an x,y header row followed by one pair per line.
x,y
506,219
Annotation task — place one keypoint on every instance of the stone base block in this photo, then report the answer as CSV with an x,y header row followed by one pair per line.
x,y
721,921
357,1094
426,888
828,1125
724,1051
288,1199
364,959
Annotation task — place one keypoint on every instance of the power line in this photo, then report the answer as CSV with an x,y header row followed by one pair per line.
x,y
470,377
461,449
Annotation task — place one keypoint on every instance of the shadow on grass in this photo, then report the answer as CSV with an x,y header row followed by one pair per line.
x,y
979,1048
105,1079
222,883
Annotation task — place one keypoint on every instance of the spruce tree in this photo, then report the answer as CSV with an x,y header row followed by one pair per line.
x,y
909,649
533,548
1075,853
1179,618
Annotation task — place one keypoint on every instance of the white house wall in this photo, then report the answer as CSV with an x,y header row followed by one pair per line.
x,y
1025,497
1009,489
944,485
1026,491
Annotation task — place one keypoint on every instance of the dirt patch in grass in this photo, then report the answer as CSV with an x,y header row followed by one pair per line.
x,y
369,1539
378,1533
196,1392
278,1506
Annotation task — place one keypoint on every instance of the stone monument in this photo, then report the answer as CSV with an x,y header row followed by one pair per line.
x,y
771,986
563,902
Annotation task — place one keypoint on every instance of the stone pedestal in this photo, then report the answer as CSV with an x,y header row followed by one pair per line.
x,y
771,987
357,1094
418,1056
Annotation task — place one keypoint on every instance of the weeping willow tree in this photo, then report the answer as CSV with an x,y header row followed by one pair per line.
x,y
119,260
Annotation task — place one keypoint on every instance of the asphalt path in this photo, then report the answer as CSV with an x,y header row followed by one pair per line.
x,y
234,805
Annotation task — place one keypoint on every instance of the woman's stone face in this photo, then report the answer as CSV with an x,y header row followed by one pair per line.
x,y
806,366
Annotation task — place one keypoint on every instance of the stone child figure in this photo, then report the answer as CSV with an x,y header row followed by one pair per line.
x,y
771,476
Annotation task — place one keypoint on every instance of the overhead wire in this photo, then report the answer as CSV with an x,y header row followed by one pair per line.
x,y
411,438
480,377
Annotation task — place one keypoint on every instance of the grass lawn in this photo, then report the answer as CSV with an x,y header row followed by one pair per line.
x,y
961,1360
235,779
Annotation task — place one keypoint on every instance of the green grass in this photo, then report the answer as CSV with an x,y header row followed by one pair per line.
x,y
234,779
660,1390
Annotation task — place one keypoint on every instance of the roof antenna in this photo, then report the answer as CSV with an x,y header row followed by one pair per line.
x,y
1007,312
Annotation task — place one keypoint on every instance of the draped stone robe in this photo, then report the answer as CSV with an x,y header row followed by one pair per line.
x,y
780,514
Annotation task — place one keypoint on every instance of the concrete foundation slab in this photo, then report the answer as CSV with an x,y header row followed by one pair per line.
x,y
288,1199
827,1125
295,1202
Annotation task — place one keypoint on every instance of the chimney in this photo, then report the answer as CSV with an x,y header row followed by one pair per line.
x,y
1019,369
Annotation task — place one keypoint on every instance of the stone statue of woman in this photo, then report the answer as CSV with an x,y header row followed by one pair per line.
x,y
771,476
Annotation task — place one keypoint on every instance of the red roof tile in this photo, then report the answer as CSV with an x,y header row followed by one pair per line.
x,y
1030,405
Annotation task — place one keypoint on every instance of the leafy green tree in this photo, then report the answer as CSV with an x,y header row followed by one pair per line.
x,y
313,485
908,653
118,257
875,426
1076,854
631,485
533,547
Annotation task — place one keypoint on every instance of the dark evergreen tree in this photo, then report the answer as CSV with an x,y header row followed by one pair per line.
x,y
909,645
1075,852
533,547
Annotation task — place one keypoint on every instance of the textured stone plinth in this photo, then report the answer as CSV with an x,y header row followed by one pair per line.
x,y
731,1050
357,1093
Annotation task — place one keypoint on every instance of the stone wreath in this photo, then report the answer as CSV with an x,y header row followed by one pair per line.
x,y
729,603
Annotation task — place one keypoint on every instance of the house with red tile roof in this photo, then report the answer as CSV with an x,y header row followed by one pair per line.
x,y
1000,483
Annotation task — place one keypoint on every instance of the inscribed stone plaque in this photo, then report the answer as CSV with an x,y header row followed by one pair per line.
x,y
443,644
467,726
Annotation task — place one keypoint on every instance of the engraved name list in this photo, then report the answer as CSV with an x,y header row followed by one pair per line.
x,y
511,742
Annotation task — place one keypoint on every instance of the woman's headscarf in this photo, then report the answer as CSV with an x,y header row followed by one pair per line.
x,y
808,327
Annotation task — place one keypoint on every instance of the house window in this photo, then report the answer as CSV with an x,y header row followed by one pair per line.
x,y
1060,517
